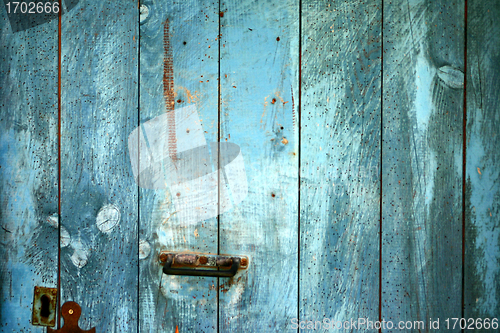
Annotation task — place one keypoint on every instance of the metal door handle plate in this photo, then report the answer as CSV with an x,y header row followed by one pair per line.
x,y
170,259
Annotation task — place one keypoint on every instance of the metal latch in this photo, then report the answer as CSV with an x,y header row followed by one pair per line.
x,y
71,312
216,266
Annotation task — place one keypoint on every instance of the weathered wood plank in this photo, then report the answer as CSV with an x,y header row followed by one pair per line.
x,y
340,160
422,161
28,169
99,268
190,66
259,98
482,256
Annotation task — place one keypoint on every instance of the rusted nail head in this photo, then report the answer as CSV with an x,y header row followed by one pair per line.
x,y
203,260
163,257
244,261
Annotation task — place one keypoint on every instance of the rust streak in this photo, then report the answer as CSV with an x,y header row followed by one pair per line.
x,y
168,91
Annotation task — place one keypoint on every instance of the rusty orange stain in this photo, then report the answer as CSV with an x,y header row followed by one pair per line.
x,y
191,97
479,171
176,329
168,91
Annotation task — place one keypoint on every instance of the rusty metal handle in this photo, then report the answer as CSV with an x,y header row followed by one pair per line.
x,y
167,269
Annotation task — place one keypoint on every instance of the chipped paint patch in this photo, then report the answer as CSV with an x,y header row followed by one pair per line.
x,y
53,220
80,255
65,239
144,249
452,77
108,218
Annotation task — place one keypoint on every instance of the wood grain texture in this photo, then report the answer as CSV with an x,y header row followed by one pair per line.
x,y
259,96
340,160
99,267
28,169
422,161
482,256
167,302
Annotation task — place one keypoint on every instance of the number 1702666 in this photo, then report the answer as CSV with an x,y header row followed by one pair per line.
x,y
39,7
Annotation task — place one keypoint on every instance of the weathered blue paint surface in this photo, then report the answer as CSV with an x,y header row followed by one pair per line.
x,y
340,160
99,198
28,169
363,101
259,100
170,301
422,161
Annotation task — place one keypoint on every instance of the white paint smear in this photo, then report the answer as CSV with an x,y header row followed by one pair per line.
x,y
65,238
203,179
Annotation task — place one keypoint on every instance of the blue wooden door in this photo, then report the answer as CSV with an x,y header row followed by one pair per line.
x,y
365,192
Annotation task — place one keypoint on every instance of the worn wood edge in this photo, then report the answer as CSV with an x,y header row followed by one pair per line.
x,y
482,240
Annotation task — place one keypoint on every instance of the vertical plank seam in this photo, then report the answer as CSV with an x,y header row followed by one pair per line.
x,y
299,110
59,113
464,160
218,156
381,163
139,162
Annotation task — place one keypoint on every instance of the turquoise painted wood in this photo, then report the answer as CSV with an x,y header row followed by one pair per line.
x,y
259,62
99,198
340,160
28,169
422,161
191,39
353,120
482,252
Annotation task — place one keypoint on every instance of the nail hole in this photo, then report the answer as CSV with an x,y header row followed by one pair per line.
x,y
178,101
178,194
281,127
273,101
273,195
184,43
277,39
221,14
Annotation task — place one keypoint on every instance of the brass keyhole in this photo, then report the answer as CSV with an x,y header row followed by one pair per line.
x,y
45,311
